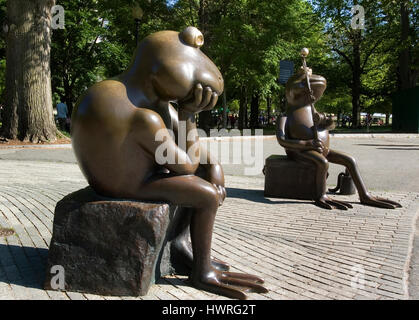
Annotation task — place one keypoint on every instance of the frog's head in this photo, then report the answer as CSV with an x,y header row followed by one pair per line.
x,y
296,90
175,64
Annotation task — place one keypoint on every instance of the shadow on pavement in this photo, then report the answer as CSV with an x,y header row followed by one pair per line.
x,y
387,145
258,196
404,149
23,266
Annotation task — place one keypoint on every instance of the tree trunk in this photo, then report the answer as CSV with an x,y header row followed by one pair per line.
x,y
246,117
203,16
407,78
29,113
243,108
204,117
225,109
68,95
269,107
356,79
254,111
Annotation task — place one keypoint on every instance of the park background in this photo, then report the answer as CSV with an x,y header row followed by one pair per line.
x,y
365,67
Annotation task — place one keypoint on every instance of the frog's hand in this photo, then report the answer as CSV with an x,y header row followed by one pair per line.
x,y
203,99
292,144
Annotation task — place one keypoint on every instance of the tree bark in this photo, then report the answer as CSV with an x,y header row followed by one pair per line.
x,y
269,107
356,79
28,109
254,111
406,76
68,95
204,117
246,117
243,108
225,114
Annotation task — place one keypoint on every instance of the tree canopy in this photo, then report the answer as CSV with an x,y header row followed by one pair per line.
x,y
247,39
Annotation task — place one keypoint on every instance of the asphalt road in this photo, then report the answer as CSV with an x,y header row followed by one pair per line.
x,y
386,164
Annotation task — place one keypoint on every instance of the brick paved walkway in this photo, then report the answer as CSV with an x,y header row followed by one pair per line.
x,y
302,251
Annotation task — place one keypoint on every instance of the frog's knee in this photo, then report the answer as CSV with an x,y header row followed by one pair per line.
x,y
322,162
208,197
351,161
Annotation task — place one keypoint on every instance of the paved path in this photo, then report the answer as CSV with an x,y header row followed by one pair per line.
x,y
302,251
386,164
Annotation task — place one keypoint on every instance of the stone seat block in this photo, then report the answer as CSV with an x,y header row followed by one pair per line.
x,y
110,246
289,179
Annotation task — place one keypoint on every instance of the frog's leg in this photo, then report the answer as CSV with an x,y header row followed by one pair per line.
x,y
350,163
322,167
183,246
182,243
194,192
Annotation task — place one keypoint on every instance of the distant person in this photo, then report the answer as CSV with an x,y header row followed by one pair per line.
x,y
62,115
233,121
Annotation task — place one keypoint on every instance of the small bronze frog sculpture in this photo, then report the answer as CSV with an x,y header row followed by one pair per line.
x,y
304,133
114,128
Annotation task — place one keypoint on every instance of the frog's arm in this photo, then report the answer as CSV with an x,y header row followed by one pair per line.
x,y
323,121
291,144
213,168
174,117
152,135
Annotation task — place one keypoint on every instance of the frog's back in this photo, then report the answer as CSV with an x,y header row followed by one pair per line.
x,y
101,136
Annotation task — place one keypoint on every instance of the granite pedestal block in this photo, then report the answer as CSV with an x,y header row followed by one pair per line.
x,y
290,179
112,247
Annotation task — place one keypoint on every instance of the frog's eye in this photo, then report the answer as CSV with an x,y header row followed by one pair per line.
x,y
192,37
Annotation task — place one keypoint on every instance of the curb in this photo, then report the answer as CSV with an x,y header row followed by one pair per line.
x,y
35,146
408,264
233,138
376,135
332,135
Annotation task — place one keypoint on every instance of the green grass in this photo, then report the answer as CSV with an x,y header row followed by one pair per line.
x,y
63,134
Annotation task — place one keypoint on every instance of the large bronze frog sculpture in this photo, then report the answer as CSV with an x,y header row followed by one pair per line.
x,y
114,128
304,133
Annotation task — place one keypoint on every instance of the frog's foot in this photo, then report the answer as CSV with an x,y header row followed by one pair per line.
x,y
219,265
183,248
379,202
327,203
229,284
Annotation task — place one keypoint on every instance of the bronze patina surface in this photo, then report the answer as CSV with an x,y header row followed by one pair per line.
x,y
114,127
304,133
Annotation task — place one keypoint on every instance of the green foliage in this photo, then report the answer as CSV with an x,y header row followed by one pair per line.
x,y
379,46
2,50
246,38
234,106
89,49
